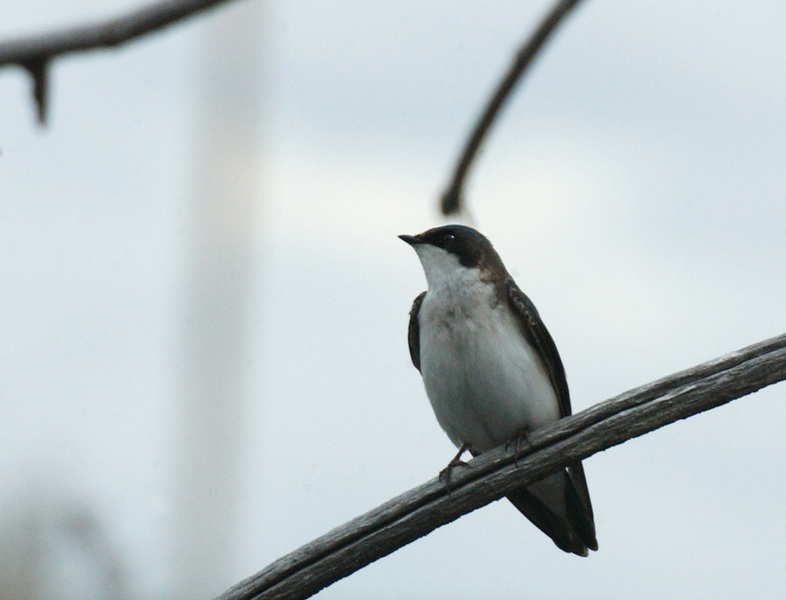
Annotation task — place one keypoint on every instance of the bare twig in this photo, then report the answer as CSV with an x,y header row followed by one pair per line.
x,y
421,510
452,198
35,53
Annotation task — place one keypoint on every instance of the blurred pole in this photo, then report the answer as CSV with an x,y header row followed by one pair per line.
x,y
225,223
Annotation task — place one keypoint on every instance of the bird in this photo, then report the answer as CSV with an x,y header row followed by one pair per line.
x,y
492,372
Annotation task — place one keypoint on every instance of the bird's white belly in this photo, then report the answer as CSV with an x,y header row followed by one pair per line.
x,y
485,382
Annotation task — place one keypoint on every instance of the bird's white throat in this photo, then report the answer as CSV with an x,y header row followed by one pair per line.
x,y
444,272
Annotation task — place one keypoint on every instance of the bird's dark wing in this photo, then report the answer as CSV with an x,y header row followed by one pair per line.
x,y
414,331
573,530
536,333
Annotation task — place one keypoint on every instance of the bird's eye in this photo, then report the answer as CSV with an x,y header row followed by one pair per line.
x,y
448,237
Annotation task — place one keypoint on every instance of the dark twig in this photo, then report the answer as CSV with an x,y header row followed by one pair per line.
x,y
35,53
421,510
38,72
452,198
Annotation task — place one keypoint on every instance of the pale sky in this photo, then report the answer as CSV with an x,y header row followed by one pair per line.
x,y
634,187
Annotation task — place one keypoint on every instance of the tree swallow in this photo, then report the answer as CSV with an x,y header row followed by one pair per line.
x,y
492,371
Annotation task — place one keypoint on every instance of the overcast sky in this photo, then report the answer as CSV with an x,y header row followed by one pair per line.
x,y
634,187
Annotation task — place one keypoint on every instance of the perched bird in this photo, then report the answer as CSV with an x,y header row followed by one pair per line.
x,y
492,372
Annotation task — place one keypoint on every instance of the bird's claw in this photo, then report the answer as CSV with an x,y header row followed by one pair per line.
x,y
522,439
445,474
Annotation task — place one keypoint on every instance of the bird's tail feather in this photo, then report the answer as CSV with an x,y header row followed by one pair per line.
x,y
556,505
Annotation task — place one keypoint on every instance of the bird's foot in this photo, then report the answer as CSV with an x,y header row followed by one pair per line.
x,y
518,442
445,474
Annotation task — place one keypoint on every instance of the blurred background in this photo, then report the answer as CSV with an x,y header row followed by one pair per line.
x,y
203,301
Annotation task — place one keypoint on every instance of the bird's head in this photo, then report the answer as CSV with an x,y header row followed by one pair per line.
x,y
453,251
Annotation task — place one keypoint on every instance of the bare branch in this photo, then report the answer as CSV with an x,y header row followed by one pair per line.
x,y
419,511
452,198
35,53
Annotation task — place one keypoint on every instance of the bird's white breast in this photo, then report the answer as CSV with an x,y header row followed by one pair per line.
x,y
485,382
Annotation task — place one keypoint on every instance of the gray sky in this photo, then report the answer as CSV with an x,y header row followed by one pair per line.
x,y
634,187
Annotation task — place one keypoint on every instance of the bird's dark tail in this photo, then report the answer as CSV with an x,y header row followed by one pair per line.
x,y
560,507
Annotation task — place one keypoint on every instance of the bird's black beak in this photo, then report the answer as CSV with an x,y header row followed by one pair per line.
x,y
412,240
